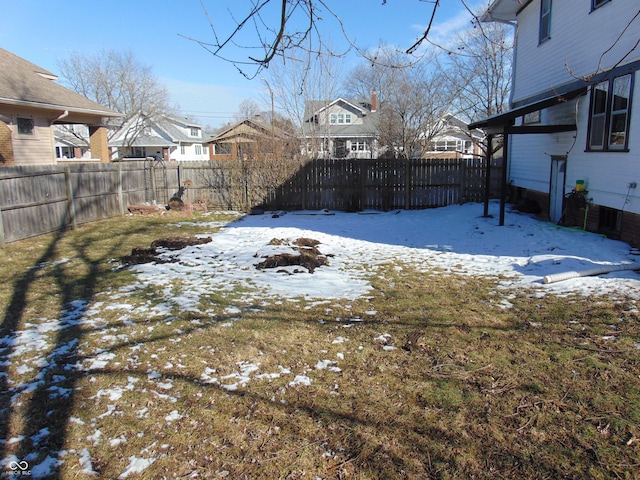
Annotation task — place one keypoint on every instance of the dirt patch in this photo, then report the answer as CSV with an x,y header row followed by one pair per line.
x,y
308,256
150,254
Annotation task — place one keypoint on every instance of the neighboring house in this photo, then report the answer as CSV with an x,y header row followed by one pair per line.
x,y
70,142
31,102
171,137
248,139
572,117
453,139
341,129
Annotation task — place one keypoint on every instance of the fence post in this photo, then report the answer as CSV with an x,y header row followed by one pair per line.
x,y
362,169
303,187
154,194
487,182
407,182
2,242
71,207
463,185
120,194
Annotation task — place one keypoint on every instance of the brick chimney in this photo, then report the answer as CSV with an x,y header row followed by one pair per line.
x,y
374,101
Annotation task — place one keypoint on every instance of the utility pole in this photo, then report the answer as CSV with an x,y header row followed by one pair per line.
x,y
272,108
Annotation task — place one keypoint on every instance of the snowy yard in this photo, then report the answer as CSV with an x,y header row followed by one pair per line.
x,y
128,344
454,239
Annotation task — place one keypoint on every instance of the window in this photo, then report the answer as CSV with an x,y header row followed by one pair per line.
x,y
182,150
222,148
610,221
598,3
195,132
445,145
334,118
609,114
341,118
545,20
359,146
347,118
198,149
25,126
533,117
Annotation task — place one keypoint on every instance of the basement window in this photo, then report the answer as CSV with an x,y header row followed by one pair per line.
x,y
610,222
26,126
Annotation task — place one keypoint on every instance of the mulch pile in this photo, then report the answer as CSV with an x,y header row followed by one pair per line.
x,y
150,254
308,256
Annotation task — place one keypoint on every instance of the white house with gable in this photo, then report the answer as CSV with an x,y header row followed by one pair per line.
x,y
573,130
173,138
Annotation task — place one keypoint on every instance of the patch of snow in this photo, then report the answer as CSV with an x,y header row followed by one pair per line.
x,y
136,465
173,416
300,380
85,462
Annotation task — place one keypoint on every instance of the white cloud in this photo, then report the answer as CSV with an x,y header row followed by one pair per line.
x,y
444,33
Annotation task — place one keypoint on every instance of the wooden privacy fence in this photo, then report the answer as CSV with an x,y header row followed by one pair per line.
x,y
385,184
41,199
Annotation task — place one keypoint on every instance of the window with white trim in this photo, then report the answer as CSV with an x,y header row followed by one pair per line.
x,y
334,118
360,146
341,118
545,20
609,114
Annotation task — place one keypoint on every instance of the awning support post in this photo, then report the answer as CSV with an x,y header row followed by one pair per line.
x,y
503,183
487,178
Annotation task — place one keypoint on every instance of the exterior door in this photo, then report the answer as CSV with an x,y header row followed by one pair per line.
x,y
340,148
556,193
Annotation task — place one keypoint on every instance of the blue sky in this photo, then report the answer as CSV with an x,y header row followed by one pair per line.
x,y
46,32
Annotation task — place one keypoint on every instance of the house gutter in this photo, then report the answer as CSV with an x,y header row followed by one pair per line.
x,y
50,106
64,114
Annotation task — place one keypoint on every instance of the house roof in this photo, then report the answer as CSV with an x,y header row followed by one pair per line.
x,y
143,141
166,132
168,126
504,10
246,128
315,107
25,84
368,127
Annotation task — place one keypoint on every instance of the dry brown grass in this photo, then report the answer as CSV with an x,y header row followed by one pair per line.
x,y
434,378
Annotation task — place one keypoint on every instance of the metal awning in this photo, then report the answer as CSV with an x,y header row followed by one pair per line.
x,y
503,123
505,120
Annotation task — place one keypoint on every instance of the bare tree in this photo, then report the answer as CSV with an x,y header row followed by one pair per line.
x,y
412,111
252,34
379,75
295,83
412,100
120,82
479,72
248,108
